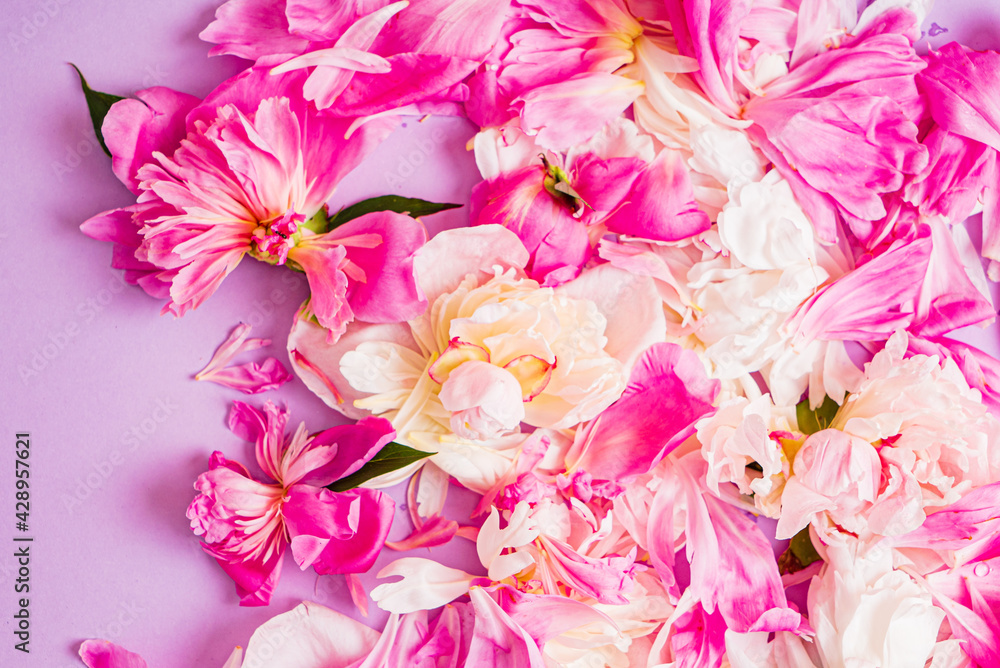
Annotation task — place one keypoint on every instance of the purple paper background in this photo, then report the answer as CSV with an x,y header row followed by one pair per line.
x,y
119,429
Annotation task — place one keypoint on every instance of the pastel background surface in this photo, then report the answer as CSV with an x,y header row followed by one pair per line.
x,y
104,384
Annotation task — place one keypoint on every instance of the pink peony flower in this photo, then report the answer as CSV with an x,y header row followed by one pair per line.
x,y
560,206
247,525
252,177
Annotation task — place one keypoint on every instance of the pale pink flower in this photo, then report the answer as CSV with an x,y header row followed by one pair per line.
x,y
935,438
866,613
247,525
562,353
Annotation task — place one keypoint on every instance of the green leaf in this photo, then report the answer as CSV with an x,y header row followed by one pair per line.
x,y
408,205
800,553
802,547
810,421
390,458
99,104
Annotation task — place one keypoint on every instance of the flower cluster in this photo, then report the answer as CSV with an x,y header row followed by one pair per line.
x,y
690,351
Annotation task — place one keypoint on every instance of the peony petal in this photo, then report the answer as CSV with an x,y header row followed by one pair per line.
x,y
103,654
355,443
426,585
667,392
447,259
660,205
310,636
135,129
389,292
337,532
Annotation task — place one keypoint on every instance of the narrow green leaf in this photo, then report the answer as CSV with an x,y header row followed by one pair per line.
x,y
99,104
810,421
390,458
408,205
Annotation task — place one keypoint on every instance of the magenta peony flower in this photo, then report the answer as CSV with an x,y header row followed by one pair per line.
x,y
247,525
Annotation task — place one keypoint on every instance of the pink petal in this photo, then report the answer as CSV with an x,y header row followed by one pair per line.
x,y
135,129
871,302
667,392
389,292
572,111
660,205
103,654
327,284
266,429
250,29
732,563
546,617
251,377
436,530
355,443
317,362
462,29
970,524
255,579
337,532
413,77
497,640
608,579
960,85
710,32
948,299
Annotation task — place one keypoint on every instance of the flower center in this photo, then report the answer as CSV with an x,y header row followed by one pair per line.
x,y
273,238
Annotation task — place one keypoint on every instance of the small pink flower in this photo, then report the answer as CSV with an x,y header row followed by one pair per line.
x,y
247,525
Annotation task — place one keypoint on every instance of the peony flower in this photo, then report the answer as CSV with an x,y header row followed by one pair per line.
x,y
247,525
252,177
561,205
451,379
867,614
935,438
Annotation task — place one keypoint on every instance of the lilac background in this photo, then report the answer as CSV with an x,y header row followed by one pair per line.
x,y
104,384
